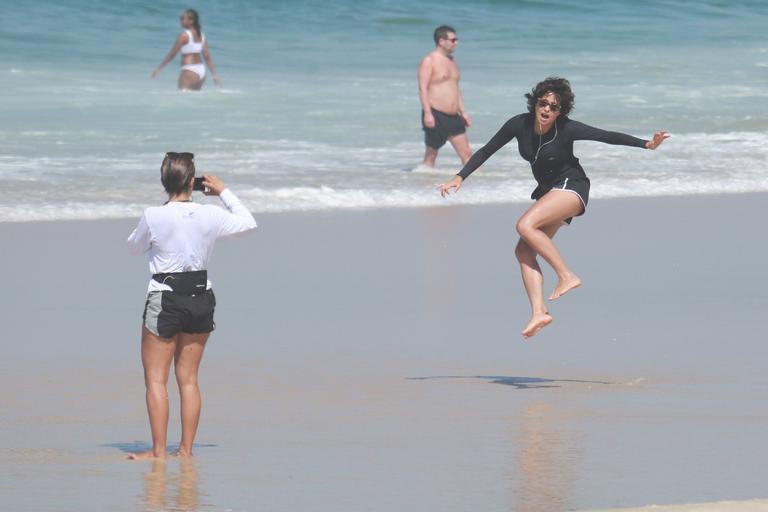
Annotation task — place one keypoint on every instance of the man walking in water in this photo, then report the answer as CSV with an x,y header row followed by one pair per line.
x,y
444,117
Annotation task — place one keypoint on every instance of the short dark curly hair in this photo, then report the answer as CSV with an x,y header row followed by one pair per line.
x,y
560,87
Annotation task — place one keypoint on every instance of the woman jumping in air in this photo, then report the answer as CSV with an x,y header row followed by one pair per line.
x,y
193,45
545,137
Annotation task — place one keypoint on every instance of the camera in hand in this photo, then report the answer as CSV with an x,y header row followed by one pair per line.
x,y
199,184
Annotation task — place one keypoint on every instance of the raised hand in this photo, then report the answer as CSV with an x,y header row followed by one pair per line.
x,y
657,139
213,185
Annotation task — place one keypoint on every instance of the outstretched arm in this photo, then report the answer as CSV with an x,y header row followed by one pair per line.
x,y
581,131
510,130
180,41
425,76
209,61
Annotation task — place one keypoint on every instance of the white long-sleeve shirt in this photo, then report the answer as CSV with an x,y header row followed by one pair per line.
x,y
179,236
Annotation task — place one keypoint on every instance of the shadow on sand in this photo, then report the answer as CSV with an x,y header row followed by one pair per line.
x,y
516,382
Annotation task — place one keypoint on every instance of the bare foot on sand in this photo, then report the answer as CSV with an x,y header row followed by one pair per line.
x,y
565,285
537,323
181,453
148,455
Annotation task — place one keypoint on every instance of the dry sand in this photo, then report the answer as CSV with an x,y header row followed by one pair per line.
x,y
371,360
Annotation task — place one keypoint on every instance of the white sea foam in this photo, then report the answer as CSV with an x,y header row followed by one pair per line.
x,y
720,506
327,198
69,211
284,175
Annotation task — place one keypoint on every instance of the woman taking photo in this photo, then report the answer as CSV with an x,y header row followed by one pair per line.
x,y
545,137
192,44
178,315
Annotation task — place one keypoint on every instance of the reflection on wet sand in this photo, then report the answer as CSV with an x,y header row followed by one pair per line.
x,y
177,491
188,494
154,486
547,457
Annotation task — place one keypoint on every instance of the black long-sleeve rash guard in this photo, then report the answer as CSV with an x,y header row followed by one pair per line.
x,y
555,159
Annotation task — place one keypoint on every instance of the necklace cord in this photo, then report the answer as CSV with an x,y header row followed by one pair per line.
x,y
536,157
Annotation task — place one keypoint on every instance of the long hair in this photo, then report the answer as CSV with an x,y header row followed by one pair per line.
x,y
195,21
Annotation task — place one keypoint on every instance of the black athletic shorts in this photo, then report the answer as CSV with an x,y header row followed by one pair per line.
x,y
575,185
446,126
168,313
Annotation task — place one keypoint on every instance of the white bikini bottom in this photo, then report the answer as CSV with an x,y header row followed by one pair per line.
x,y
198,69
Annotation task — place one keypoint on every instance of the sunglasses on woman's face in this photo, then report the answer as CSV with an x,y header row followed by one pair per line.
x,y
554,107
177,156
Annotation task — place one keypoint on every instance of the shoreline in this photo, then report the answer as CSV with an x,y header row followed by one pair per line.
x,y
362,209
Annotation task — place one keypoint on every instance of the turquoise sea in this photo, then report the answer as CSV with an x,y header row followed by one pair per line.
x,y
319,107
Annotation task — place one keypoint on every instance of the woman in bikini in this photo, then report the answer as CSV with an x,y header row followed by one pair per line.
x,y
545,137
194,47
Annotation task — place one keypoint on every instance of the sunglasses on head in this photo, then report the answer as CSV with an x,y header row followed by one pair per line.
x,y
554,107
176,156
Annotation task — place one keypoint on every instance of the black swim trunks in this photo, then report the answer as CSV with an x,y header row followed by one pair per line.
x,y
168,313
575,185
446,126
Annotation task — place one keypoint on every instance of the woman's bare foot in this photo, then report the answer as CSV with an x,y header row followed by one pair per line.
x,y
565,285
537,323
181,453
148,455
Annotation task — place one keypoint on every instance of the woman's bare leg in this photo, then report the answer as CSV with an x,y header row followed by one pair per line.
x,y
533,280
156,356
189,353
553,208
190,81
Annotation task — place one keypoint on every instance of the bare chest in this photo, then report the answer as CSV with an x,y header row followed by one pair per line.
x,y
445,70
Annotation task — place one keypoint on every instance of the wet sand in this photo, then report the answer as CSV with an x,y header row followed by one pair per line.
x,y
371,360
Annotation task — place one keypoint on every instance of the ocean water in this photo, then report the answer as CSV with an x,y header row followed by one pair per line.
x,y
319,108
